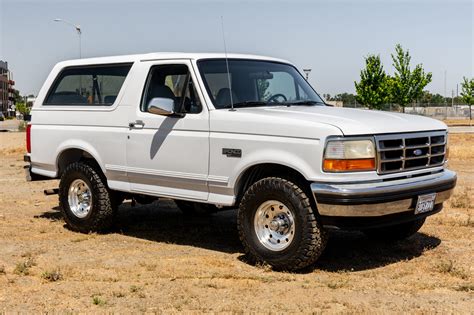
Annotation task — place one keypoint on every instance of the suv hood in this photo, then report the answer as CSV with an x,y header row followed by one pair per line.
x,y
353,121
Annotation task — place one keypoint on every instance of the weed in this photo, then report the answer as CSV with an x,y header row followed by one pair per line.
x,y
449,268
80,239
97,300
148,267
118,294
52,276
212,285
135,288
264,267
23,268
465,287
22,126
336,284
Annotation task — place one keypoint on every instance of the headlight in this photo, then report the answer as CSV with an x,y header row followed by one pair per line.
x,y
349,155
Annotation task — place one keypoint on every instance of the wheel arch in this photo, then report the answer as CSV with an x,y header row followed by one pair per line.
x,y
70,153
256,172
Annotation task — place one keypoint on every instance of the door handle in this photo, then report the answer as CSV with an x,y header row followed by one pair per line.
x,y
138,124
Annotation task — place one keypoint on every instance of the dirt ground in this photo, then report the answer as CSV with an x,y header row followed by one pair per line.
x,y
158,260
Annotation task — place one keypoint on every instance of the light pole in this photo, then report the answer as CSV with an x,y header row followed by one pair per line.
x,y
306,72
78,30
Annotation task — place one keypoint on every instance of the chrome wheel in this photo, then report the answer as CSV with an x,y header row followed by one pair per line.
x,y
80,198
274,225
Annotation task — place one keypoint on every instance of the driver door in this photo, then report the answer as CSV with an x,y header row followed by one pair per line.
x,y
169,155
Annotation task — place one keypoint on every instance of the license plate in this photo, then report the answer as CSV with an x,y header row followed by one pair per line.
x,y
425,203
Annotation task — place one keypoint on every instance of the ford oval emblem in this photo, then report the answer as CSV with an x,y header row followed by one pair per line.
x,y
417,152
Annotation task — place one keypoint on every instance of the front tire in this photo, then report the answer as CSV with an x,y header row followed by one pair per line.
x,y
278,226
395,232
86,202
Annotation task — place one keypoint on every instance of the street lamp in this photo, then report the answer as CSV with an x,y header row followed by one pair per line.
x,y
307,71
78,30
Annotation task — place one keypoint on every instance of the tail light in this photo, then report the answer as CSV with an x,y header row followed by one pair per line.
x,y
28,138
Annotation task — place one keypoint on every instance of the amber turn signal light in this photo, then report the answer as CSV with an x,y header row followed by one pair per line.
x,y
331,165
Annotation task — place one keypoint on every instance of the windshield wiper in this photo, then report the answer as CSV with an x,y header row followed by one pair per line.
x,y
248,104
304,102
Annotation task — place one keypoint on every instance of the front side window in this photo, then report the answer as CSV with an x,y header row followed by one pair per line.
x,y
90,85
172,82
255,83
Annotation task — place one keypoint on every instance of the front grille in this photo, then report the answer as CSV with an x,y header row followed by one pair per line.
x,y
410,151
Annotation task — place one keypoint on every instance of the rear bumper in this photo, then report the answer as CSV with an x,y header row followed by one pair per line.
x,y
30,176
377,199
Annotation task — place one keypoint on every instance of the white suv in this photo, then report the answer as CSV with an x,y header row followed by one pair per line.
x,y
244,132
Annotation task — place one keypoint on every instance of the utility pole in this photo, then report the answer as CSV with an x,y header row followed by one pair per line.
x,y
445,96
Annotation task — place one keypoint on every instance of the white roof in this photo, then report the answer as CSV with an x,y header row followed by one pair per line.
x,y
162,56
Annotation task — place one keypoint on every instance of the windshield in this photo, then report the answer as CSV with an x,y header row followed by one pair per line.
x,y
255,83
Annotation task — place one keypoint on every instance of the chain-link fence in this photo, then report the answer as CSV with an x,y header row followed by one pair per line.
x,y
438,111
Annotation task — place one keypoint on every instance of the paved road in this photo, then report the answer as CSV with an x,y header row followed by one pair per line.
x,y
461,129
9,125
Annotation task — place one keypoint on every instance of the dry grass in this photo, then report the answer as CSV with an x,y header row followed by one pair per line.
x,y
462,199
52,275
458,122
23,268
157,260
461,147
98,300
465,287
449,267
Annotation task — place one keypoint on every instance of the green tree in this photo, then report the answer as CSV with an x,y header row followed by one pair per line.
x,y
372,90
467,93
22,108
347,99
467,90
328,97
407,85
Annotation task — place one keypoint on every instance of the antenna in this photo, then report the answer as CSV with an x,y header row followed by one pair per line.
x,y
227,65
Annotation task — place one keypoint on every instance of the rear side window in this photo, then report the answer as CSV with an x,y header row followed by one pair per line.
x,y
91,85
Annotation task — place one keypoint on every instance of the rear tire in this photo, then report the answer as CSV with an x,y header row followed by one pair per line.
x,y
86,202
278,226
395,232
196,208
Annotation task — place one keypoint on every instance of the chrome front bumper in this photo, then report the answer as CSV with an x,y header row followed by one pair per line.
x,y
375,199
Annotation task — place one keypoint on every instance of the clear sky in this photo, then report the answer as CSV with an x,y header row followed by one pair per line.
x,y
331,37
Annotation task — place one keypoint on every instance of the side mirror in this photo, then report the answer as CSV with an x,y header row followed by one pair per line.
x,y
161,106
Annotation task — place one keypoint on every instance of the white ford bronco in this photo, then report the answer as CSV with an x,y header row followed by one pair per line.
x,y
215,132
